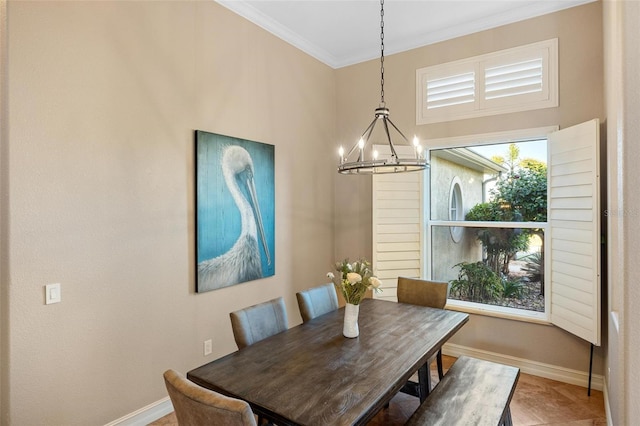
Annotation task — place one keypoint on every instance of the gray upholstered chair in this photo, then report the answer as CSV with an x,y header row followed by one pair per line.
x,y
425,293
257,322
317,301
195,405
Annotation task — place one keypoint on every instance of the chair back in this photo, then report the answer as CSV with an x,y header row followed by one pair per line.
x,y
422,292
195,405
257,322
317,301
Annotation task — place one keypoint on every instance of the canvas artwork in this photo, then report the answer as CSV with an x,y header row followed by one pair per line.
x,y
235,208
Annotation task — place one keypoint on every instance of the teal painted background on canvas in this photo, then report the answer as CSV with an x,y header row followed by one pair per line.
x,y
218,218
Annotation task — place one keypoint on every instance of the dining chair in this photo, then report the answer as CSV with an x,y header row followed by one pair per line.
x,y
195,405
257,322
317,301
425,293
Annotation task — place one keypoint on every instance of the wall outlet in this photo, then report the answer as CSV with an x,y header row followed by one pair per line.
x,y
208,347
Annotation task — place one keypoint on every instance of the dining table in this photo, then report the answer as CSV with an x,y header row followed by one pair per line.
x,y
312,375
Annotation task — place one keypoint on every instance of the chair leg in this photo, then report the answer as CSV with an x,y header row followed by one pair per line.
x,y
439,362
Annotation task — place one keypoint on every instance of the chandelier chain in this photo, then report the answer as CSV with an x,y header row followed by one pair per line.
x,y
382,52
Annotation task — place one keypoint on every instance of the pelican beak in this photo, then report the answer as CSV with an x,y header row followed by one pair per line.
x,y
256,208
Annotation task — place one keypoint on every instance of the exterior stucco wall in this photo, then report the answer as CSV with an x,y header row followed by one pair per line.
x,y
446,251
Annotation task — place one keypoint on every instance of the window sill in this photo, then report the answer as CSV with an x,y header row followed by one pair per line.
x,y
498,312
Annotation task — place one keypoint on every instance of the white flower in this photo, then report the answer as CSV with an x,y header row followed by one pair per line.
x,y
353,278
375,283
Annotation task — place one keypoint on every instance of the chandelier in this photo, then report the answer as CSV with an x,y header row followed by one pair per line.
x,y
394,164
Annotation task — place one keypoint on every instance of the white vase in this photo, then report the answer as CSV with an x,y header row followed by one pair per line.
x,y
350,328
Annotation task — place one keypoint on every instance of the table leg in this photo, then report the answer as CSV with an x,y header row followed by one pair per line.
x,y
424,382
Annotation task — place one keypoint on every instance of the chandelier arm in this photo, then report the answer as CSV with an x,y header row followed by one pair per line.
x,y
369,130
368,133
398,130
394,154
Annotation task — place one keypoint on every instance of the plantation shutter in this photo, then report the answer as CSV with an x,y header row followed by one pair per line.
x,y
574,218
513,79
522,78
397,225
451,90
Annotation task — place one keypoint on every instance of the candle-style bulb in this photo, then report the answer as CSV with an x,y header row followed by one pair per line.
x,y
375,154
361,143
416,141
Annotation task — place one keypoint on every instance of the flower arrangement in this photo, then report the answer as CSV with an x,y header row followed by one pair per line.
x,y
354,280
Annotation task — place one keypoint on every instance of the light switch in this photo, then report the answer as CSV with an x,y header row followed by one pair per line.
x,y
52,294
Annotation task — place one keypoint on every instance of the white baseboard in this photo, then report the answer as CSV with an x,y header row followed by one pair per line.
x,y
145,415
607,406
553,372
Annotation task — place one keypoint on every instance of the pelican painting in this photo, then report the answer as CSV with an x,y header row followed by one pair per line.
x,y
235,210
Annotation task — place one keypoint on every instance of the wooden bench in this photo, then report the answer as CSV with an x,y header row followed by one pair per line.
x,y
473,392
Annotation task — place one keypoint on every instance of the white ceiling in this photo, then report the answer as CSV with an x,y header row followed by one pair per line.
x,y
345,32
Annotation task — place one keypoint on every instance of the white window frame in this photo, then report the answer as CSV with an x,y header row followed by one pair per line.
x,y
479,104
478,308
572,260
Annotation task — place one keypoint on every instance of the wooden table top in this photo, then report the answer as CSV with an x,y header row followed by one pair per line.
x,y
312,375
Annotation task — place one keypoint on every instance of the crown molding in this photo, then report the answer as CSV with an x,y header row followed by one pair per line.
x,y
519,11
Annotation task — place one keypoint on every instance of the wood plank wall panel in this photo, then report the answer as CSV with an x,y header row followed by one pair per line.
x,y
397,227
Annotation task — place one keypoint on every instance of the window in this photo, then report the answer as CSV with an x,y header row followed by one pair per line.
x,y
496,259
456,209
412,233
519,79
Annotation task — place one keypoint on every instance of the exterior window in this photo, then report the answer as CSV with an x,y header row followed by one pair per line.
x,y
487,233
456,210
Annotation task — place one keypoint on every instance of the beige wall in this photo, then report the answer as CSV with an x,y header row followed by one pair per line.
x,y
614,365
4,321
104,98
622,59
631,349
579,31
